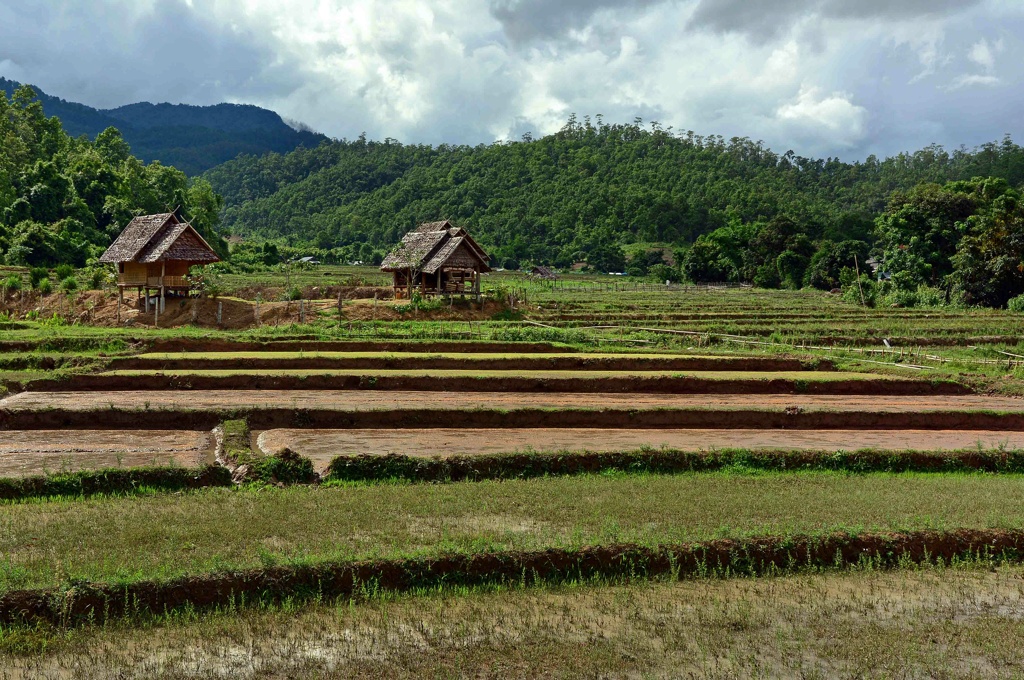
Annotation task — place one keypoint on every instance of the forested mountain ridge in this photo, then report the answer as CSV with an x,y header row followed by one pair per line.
x,y
191,138
575,194
64,199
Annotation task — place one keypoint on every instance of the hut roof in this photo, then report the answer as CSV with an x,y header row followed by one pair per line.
x,y
152,238
543,272
430,245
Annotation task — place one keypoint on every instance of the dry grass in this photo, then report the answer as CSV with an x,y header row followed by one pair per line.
x,y
111,539
943,623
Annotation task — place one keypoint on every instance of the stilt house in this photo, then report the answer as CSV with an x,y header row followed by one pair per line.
x,y
154,252
437,258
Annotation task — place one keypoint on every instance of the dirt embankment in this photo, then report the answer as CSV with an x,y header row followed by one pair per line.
x,y
567,362
271,418
87,603
101,308
312,344
511,384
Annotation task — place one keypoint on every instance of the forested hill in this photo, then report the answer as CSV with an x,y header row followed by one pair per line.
x,y
573,194
191,138
64,199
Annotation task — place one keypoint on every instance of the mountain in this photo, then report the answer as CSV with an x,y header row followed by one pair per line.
x,y
191,138
577,194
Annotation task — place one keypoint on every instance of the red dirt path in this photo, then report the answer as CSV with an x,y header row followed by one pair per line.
x,y
35,452
321,446
364,400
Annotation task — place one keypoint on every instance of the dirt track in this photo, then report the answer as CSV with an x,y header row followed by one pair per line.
x,y
35,452
364,400
321,446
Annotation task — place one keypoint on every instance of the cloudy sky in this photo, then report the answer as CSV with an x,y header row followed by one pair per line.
x,y
842,78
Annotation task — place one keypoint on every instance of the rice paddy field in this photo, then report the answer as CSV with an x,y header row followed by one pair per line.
x,y
587,477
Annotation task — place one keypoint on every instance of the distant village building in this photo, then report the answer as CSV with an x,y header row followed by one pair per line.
x,y
878,269
154,252
437,258
542,272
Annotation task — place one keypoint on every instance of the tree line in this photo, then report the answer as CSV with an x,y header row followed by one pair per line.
x,y
931,227
63,200
611,195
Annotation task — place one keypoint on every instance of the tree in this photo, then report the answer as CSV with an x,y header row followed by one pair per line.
x,y
988,267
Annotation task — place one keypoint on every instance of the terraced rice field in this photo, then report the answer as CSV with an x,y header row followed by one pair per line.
x,y
945,479
34,452
323,446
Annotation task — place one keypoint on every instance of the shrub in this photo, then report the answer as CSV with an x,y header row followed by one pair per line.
x,y
96,279
63,271
1016,304
292,294
69,284
45,287
12,283
37,275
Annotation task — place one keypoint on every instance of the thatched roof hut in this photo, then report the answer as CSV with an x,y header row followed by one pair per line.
x,y
156,251
542,272
438,258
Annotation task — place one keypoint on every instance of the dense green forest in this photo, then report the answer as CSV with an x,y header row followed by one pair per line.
x,y
191,138
580,194
64,199
932,227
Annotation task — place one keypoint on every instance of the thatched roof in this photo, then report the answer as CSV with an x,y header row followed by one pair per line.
x,y
433,245
152,238
542,272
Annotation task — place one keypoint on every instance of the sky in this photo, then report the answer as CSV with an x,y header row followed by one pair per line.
x,y
843,78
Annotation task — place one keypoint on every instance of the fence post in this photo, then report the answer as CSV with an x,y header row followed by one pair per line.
x,y
302,311
220,312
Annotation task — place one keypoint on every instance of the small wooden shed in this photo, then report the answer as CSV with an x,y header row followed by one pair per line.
x,y
541,272
437,258
154,252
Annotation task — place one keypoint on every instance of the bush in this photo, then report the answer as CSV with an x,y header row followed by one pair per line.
x,y
37,275
45,287
63,271
69,284
293,294
662,273
1016,304
12,283
96,279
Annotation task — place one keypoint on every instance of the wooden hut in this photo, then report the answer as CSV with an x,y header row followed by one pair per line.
x,y
154,252
541,272
437,258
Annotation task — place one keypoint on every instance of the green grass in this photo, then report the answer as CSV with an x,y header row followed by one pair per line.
x,y
114,539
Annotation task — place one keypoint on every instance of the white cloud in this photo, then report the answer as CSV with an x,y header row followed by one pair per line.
x,y
833,114
971,80
818,76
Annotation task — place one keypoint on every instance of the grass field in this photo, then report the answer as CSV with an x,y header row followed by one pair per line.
x,y
933,622
163,536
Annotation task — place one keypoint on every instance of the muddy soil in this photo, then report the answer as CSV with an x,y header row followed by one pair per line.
x,y
322,446
424,361
366,400
508,382
35,452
